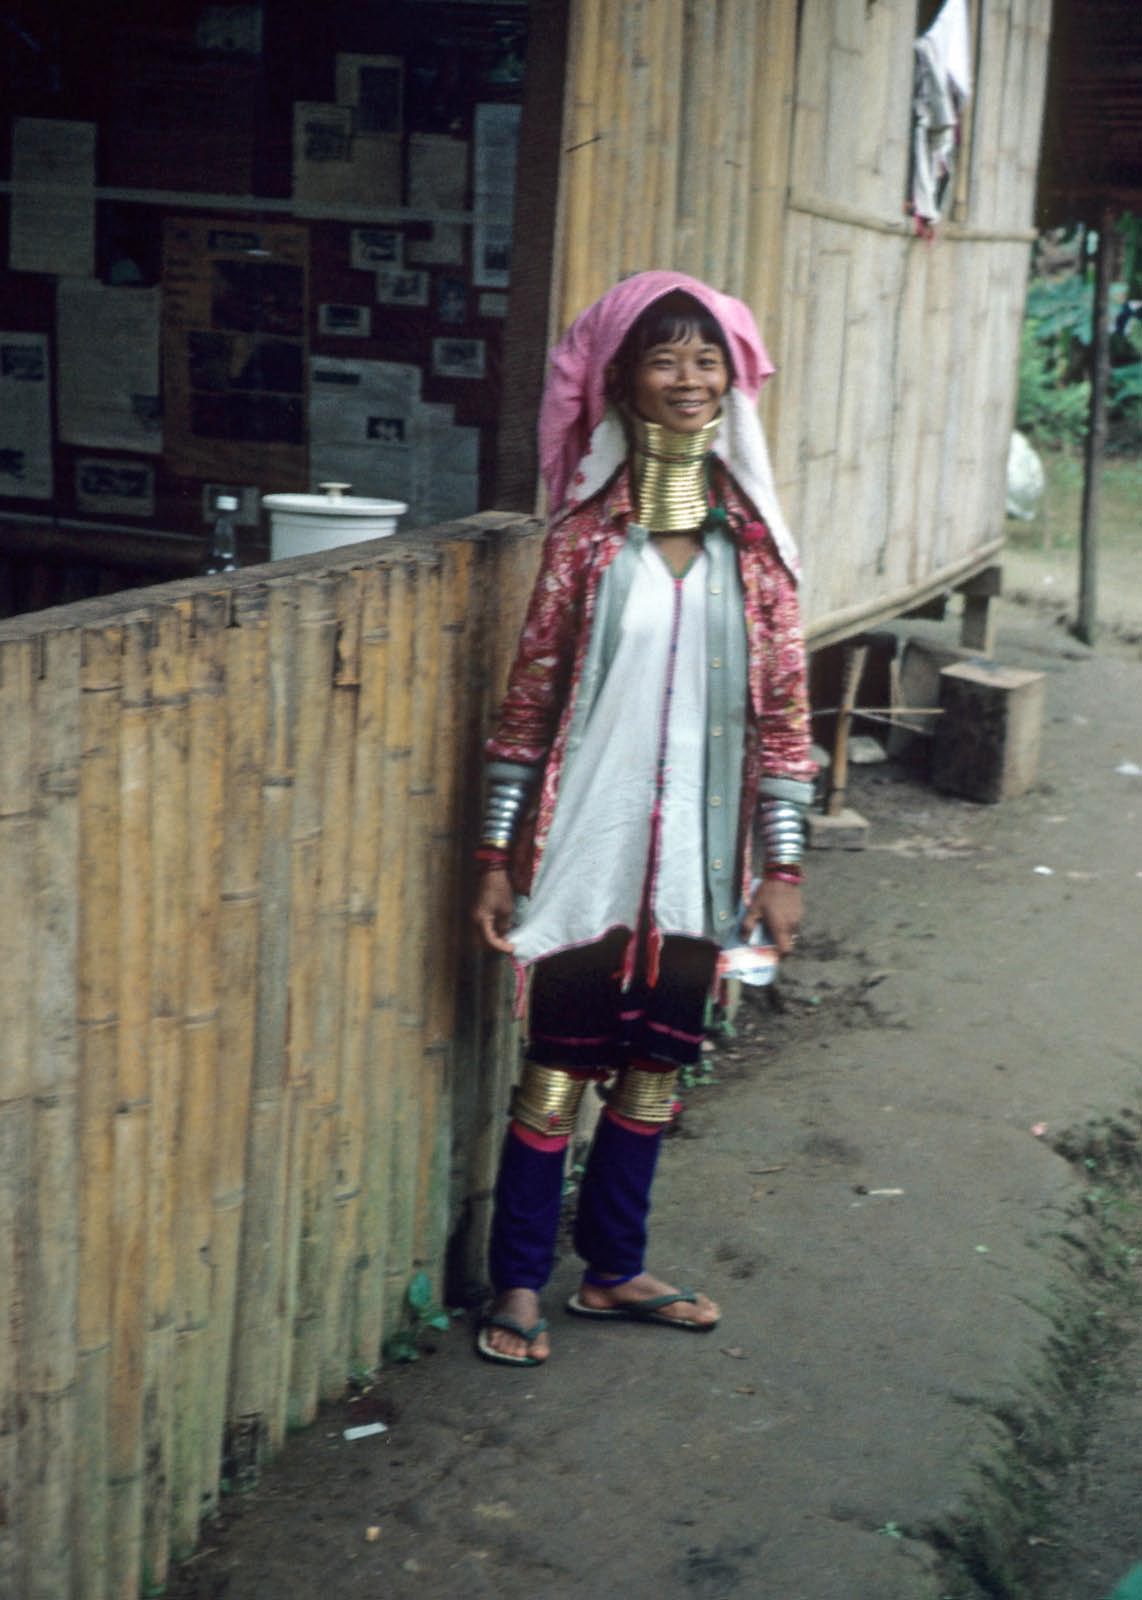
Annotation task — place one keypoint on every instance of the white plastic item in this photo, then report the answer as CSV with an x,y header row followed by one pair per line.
x,y
303,523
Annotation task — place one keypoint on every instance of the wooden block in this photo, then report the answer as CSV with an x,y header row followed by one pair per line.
x,y
987,742
848,830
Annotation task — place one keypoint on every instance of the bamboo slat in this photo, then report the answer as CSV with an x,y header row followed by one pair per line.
x,y
694,118
238,927
317,637
633,136
259,1343
169,935
50,1366
772,131
316,1321
97,1020
578,165
17,1176
668,96
130,1304
197,1446
393,739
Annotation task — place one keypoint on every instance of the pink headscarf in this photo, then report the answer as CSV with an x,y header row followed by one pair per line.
x,y
574,398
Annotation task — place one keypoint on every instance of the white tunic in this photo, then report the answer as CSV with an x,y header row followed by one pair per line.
x,y
629,815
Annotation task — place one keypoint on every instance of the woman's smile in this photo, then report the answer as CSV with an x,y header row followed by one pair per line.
x,y
680,385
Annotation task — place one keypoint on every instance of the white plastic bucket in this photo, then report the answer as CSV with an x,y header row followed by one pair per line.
x,y
303,523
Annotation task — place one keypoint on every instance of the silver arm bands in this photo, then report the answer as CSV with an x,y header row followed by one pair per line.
x,y
782,832
503,806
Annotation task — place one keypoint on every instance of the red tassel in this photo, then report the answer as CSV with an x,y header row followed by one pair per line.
x,y
653,957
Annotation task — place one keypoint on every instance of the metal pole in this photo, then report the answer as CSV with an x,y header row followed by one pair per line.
x,y
1086,626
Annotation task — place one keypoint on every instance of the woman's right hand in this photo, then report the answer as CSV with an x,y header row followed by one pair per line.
x,y
494,909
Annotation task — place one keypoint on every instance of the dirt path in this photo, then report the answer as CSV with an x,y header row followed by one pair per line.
x,y
871,1191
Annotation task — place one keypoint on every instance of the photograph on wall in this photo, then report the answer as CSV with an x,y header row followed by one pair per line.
x,y
451,301
373,87
106,487
492,304
402,286
344,321
25,416
458,358
333,163
234,350
370,248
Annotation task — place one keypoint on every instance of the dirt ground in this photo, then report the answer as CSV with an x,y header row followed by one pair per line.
x,y
910,1269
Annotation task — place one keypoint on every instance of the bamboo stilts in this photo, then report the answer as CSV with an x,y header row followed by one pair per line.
x,y
97,1021
50,1365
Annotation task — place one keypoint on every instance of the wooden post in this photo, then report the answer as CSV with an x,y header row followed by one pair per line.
x,y
1087,624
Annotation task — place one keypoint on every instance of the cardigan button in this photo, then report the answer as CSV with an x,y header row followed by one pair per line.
x,y
716,864
715,799
716,661
715,588
716,731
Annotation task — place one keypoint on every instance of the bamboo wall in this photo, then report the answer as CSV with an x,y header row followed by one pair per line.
x,y
252,1068
764,146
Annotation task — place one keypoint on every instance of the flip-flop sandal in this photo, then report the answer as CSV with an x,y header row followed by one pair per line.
x,y
531,1334
644,1311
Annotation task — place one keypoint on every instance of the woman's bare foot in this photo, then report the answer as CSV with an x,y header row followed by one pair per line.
x,y
601,1297
522,1306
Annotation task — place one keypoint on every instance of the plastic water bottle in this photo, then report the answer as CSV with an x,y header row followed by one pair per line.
x,y
223,555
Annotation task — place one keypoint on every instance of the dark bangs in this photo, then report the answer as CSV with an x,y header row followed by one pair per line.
x,y
668,320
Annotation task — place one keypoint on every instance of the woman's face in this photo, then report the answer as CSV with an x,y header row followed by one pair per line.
x,y
680,385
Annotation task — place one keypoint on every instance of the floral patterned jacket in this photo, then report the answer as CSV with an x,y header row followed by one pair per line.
x,y
536,713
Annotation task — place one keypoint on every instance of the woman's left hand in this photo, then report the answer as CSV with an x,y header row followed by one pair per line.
x,y
778,905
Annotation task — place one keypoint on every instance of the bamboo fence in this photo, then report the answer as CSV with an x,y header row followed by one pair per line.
x,y
254,1072
764,145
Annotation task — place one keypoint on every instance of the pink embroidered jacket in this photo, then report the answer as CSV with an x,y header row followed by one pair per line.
x,y
536,713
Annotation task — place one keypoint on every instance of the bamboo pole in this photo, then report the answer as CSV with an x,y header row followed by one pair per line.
x,y
97,1022
603,259
425,1059
50,1367
259,1348
196,1446
397,897
668,96
314,1373
130,1302
768,230
579,155
18,825
308,1116
358,1272
169,933
239,913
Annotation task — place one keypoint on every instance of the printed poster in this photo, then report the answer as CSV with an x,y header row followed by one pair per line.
x,y
107,342
53,232
234,350
25,416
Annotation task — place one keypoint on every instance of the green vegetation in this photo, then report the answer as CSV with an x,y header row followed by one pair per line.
x,y
1054,364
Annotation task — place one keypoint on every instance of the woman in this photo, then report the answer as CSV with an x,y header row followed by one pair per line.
x,y
655,722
